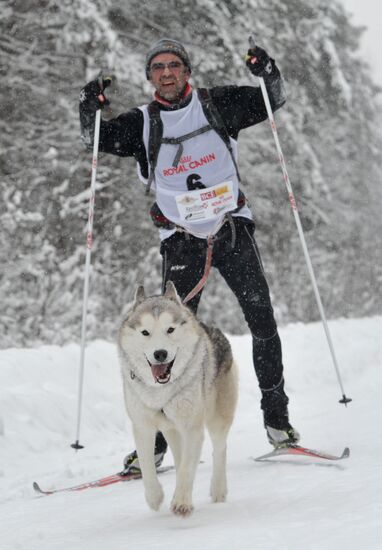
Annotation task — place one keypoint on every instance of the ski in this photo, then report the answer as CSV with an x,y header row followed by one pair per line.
x,y
101,482
303,451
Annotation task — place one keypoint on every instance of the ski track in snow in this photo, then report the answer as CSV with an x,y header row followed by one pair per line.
x,y
293,503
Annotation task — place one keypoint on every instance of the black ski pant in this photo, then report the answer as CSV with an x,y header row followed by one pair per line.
x,y
236,257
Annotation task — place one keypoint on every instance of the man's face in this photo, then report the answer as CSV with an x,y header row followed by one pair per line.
x,y
169,76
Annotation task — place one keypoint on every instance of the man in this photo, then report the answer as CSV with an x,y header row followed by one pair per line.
x,y
185,143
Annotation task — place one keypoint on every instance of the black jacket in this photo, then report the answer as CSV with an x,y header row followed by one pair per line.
x,y
239,106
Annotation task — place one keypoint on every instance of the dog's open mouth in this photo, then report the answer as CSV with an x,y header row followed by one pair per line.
x,y
161,371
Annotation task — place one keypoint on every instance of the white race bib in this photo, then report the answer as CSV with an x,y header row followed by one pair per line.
x,y
208,203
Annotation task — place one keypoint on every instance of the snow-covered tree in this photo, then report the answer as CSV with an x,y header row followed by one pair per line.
x,y
328,130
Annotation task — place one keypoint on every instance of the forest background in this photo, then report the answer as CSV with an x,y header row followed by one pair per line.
x,y
329,130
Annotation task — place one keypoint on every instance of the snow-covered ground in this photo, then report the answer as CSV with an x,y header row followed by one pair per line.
x,y
292,503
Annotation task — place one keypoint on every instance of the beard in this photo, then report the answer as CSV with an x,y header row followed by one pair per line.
x,y
171,92
171,88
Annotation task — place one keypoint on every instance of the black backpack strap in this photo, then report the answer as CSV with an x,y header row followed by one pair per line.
x,y
155,140
216,122
179,141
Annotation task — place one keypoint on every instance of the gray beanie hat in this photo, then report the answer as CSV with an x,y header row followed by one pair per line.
x,y
167,45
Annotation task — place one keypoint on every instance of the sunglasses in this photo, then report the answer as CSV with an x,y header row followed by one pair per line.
x,y
172,66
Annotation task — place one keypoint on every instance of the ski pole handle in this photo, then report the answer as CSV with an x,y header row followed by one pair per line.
x,y
257,60
252,44
103,82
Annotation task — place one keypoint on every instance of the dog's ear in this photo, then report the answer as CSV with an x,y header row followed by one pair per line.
x,y
139,296
171,292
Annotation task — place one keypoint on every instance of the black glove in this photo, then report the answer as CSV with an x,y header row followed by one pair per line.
x,y
259,62
92,94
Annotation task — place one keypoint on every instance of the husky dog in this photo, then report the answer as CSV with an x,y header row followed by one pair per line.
x,y
179,376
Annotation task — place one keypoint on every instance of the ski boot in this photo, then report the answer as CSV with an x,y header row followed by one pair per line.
x,y
131,461
282,437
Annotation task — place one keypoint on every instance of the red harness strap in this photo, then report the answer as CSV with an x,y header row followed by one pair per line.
x,y
207,268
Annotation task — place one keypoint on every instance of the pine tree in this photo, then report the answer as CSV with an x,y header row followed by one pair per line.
x,y
327,128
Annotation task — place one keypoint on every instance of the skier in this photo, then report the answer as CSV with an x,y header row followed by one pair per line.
x,y
185,144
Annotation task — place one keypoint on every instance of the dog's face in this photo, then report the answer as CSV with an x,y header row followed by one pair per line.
x,y
158,337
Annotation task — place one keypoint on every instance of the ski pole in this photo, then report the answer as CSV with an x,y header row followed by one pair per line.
x,y
103,82
293,204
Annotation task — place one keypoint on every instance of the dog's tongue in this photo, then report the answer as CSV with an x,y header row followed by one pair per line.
x,y
159,370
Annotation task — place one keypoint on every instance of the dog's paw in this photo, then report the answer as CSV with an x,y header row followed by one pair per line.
x,y
218,497
154,496
218,492
182,509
